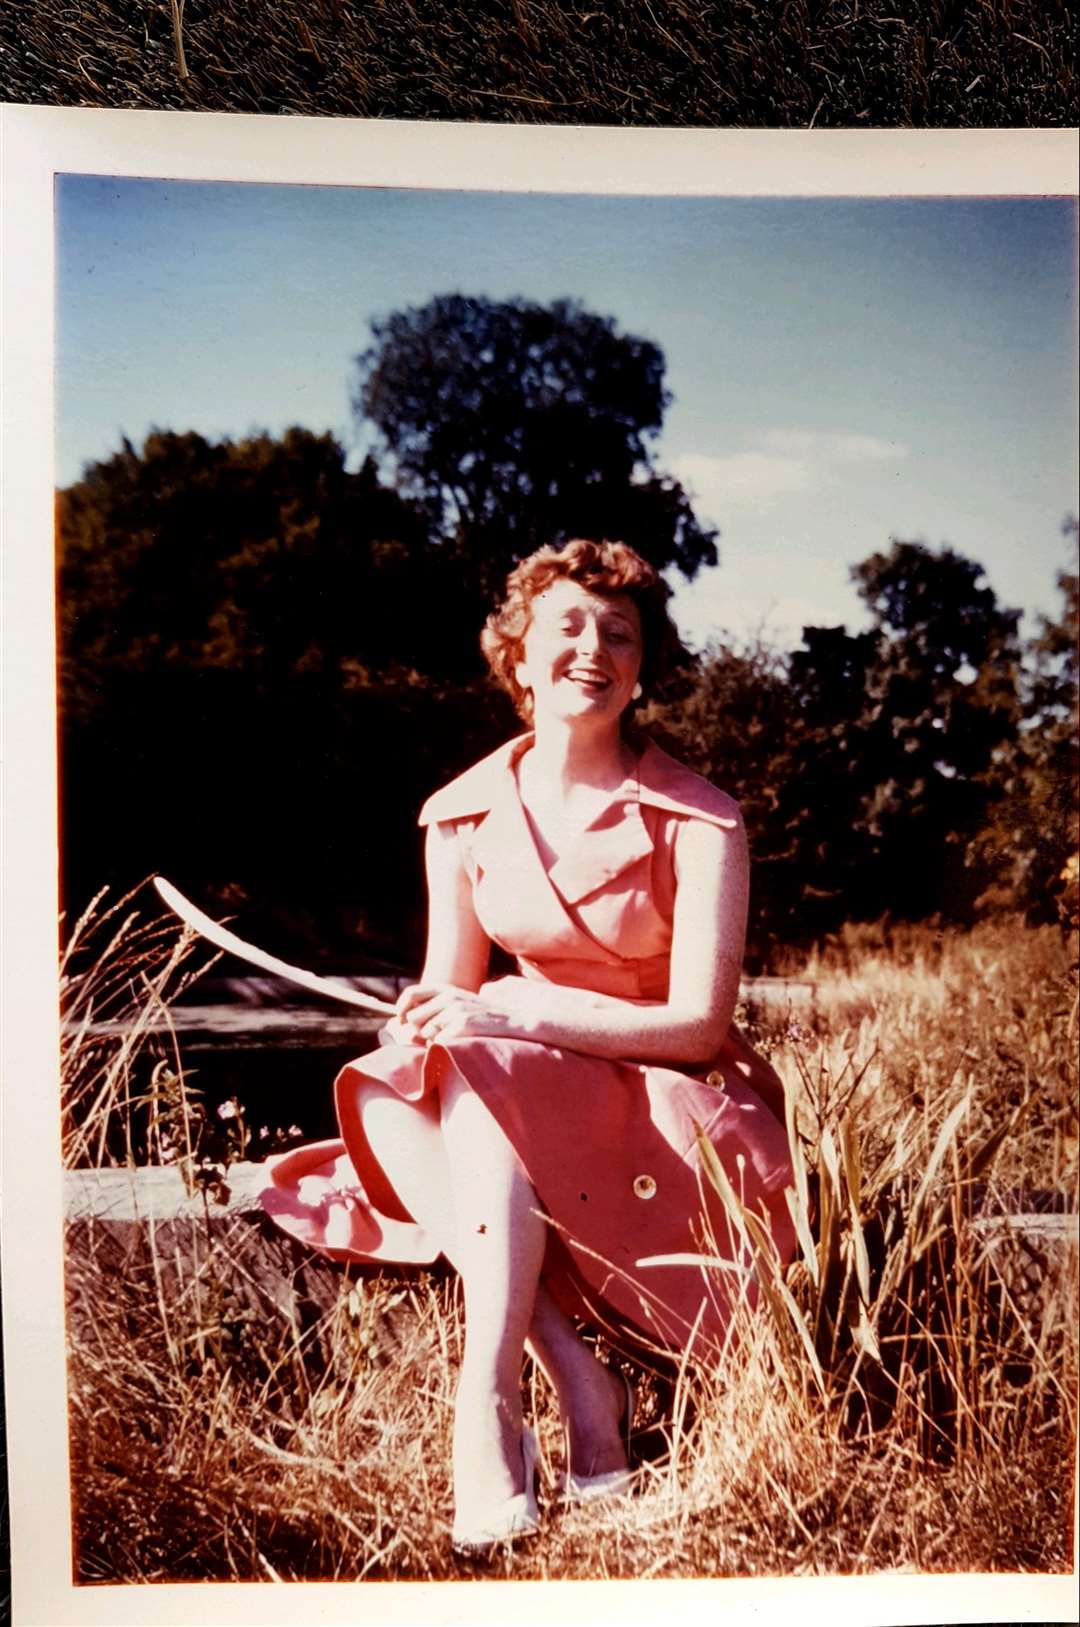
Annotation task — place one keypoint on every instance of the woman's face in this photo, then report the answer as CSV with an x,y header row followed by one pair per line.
x,y
581,654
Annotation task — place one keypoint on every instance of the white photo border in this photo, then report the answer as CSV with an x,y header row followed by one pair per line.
x,y
39,143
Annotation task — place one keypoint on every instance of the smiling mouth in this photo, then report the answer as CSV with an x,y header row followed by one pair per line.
x,y
588,680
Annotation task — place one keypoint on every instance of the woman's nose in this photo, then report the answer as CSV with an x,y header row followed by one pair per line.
x,y
588,640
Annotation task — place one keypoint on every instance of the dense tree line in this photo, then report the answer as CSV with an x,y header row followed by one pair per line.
x,y
267,659
926,767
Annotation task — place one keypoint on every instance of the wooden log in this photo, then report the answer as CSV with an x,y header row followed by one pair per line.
x,y
156,1195
221,1267
781,993
204,1262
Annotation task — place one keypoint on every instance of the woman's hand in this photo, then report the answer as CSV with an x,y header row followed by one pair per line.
x,y
428,1013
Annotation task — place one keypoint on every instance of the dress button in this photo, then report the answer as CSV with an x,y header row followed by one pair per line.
x,y
644,1186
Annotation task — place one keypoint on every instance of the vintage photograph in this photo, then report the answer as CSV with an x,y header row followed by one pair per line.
x,y
568,842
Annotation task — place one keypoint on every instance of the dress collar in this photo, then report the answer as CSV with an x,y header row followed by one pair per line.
x,y
659,782
619,837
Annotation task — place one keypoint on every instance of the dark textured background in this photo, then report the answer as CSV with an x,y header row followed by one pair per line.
x,y
858,63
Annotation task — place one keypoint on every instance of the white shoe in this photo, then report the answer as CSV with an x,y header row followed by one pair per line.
x,y
595,1488
476,1531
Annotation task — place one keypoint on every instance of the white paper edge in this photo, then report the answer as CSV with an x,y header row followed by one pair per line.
x,y
37,142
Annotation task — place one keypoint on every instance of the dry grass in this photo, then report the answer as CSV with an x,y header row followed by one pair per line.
x,y
119,973
904,1396
921,63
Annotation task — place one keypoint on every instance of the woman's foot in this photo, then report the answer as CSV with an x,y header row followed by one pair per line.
x,y
480,1524
597,1425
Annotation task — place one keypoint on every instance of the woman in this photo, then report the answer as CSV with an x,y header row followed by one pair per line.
x,y
539,1129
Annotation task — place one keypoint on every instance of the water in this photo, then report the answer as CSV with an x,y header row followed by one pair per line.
x,y
261,1041
282,1074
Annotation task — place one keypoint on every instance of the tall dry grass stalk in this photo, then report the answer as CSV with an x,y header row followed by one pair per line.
x,y
176,9
119,974
904,1394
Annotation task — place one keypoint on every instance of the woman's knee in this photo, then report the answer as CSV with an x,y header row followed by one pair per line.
x,y
381,1107
405,1141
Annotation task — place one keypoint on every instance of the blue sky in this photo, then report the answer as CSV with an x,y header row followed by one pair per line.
x,y
842,371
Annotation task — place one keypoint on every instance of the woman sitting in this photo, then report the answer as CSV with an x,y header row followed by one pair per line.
x,y
540,1130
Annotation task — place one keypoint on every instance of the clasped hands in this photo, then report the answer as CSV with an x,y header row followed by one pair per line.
x,y
428,1013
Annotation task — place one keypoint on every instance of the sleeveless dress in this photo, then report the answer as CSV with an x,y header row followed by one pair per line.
x,y
610,1147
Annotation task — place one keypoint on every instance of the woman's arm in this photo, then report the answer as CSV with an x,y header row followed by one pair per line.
x,y
458,948
708,934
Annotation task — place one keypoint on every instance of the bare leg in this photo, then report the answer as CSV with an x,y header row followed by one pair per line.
x,y
592,1399
500,1236
407,1138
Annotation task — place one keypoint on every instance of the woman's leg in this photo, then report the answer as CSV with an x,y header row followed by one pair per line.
x,y
500,1236
407,1139
592,1399
449,1163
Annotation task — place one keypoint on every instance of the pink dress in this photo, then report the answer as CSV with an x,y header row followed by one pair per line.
x,y
609,1146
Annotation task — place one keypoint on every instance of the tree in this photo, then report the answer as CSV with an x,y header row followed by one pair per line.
x,y
264,664
262,556
1029,849
867,764
904,725
1053,745
830,788
733,719
512,424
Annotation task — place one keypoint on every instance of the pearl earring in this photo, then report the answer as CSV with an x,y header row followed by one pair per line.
x,y
636,692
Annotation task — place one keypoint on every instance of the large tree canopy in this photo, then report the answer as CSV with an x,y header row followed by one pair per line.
x,y
867,764
905,723
514,424
265,665
264,557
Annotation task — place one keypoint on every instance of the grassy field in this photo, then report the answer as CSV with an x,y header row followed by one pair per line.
x,y
819,63
904,1395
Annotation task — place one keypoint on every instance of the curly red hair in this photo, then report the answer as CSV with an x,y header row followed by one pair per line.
x,y
607,568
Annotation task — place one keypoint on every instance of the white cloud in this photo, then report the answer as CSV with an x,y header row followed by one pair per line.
x,y
779,463
831,448
745,481
772,584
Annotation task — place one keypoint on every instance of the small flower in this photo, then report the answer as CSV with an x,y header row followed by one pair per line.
x,y
228,1110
